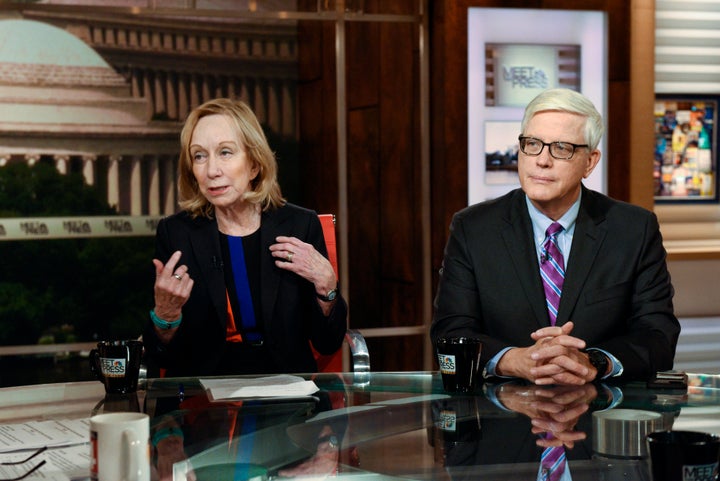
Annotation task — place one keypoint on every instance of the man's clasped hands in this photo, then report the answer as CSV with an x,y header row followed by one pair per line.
x,y
555,358
552,410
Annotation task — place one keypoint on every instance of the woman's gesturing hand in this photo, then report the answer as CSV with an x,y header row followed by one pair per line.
x,y
172,287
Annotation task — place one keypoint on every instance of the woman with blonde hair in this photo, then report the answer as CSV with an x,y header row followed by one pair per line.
x,y
243,283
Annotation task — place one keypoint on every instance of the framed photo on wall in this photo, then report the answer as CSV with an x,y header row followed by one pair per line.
x,y
501,152
685,166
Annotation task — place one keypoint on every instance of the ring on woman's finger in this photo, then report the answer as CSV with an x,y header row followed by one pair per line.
x,y
178,277
289,256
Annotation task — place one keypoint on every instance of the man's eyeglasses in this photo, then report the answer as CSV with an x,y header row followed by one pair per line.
x,y
21,471
558,150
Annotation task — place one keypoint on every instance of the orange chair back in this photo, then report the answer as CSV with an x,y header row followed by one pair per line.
x,y
332,362
328,226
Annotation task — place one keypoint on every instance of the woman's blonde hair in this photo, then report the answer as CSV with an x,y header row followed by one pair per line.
x,y
265,189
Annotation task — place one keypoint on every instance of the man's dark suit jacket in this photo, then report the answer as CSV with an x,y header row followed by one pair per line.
x,y
290,312
617,289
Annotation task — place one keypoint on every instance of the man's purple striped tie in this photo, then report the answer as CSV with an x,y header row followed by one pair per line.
x,y
552,270
553,463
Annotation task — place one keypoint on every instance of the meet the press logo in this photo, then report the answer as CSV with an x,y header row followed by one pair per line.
x,y
447,363
447,420
701,472
112,367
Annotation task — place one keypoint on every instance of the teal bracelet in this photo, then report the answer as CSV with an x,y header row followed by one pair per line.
x,y
162,323
163,433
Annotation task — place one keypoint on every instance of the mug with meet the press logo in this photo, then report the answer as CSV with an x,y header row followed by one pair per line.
x,y
117,365
459,360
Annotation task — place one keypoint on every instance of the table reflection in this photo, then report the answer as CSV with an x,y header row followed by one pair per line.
x,y
113,403
197,438
515,421
391,425
491,434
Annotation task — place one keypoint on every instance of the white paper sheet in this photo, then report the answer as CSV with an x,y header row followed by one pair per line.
x,y
271,386
36,434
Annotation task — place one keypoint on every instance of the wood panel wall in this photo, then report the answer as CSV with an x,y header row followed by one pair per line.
x,y
383,148
383,168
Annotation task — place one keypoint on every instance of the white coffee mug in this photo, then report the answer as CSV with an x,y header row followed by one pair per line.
x,y
120,444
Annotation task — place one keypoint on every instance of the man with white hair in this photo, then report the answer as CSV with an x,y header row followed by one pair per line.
x,y
562,284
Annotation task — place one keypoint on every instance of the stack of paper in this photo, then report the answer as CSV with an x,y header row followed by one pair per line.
x,y
67,456
37,434
272,386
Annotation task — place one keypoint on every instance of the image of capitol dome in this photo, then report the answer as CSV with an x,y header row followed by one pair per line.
x,y
49,76
61,102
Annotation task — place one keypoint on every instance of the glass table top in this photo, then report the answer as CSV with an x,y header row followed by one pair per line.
x,y
399,425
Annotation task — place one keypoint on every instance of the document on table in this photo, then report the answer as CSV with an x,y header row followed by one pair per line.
x,y
36,434
272,386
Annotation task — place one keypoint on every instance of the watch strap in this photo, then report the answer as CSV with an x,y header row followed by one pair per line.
x,y
331,295
331,439
599,361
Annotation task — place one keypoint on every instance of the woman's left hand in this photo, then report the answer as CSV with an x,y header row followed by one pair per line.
x,y
303,259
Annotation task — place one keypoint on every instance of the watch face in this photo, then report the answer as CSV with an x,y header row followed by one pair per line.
x,y
332,295
599,362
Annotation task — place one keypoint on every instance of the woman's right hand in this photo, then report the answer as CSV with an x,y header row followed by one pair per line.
x,y
172,290
170,451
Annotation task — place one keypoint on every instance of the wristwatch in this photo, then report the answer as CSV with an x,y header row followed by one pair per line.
x,y
331,439
599,361
331,295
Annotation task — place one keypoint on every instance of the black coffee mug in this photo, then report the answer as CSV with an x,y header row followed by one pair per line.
x,y
459,360
456,419
684,455
117,365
